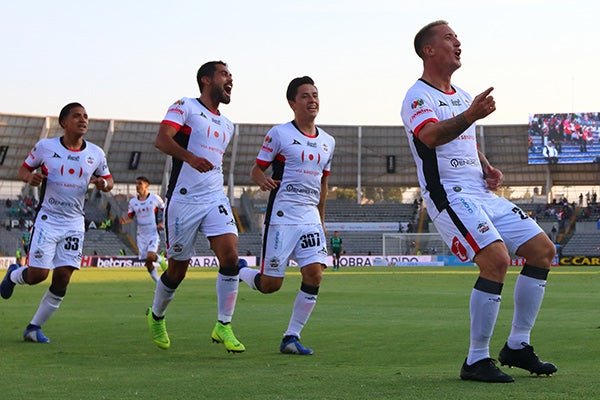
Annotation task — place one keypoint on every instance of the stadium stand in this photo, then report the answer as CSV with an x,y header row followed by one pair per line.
x,y
347,211
587,243
105,242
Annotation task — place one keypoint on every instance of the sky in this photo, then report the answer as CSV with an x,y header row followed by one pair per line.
x,y
132,59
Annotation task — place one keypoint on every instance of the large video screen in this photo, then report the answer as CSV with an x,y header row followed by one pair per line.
x,y
568,138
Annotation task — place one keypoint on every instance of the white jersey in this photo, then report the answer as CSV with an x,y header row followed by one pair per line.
x,y
63,192
145,210
205,134
300,162
452,167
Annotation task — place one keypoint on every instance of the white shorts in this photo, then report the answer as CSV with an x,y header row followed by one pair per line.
x,y
147,240
183,221
55,246
304,243
471,223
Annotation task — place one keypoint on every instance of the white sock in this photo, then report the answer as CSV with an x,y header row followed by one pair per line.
x,y
227,291
247,275
154,275
529,293
303,307
48,306
162,297
17,276
484,309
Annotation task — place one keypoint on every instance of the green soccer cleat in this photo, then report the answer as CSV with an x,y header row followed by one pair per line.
x,y
158,330
162,261
224,334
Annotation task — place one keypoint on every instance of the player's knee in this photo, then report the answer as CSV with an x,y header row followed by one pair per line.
x,y
33,276
312,274
548,253
228,261
269,285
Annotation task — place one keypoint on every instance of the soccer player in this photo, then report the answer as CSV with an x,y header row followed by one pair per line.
x,y
300,155
457,183
336,250
64,167
196,135
147,208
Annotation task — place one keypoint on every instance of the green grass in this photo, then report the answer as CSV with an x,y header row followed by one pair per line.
x,y
377,333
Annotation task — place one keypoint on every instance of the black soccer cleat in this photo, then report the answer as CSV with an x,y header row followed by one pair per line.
x,y
525,358
484,371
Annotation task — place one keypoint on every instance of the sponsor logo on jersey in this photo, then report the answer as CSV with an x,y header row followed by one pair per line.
x,y
459,250
216,121
421,111
456,163
175,110
277,240
267,149
54,202
417,103
442,104
70,171
312,144
179,102
269,139
177,225
467,205
293,189
73,158
310,157
456,102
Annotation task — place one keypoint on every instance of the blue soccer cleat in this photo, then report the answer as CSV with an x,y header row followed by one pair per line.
x,y
7,286
292,345
34,334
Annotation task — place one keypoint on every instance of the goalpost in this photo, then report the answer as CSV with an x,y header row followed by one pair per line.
x,y
404,244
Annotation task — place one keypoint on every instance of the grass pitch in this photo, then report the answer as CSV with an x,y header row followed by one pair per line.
x,y
377,333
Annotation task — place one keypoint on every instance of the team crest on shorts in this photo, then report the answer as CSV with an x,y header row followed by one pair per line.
x,y
274,262
38,254
177,247
483,227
